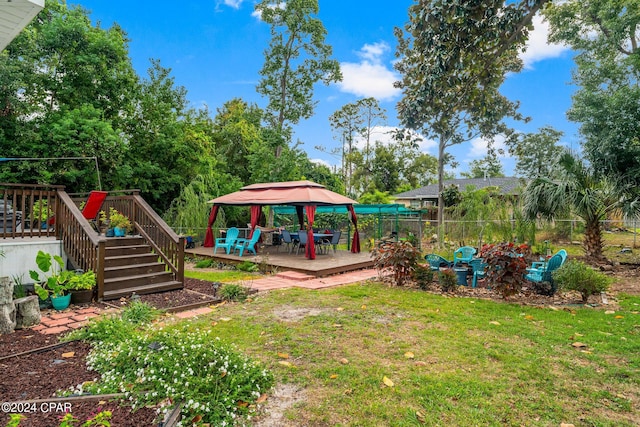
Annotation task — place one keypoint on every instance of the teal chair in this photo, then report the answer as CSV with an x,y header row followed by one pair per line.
x,y
540,265
249,245
463,254
436,261
479,267
228,241
544,274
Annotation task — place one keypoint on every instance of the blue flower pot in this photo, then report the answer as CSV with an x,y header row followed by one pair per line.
x,y
119,232
60,303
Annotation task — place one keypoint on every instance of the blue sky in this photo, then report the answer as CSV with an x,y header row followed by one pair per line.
x,y
215,49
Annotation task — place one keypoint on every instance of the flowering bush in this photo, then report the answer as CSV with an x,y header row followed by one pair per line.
x,y
215,383
507,265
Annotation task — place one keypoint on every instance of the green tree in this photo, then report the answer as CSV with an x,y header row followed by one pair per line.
x,y
488,166
537,154
453,58
578,191
297,58
607,103
346,124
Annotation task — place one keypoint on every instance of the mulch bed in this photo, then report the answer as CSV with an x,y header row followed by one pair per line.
x,y
41,375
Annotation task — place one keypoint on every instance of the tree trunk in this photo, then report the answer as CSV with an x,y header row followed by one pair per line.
x,y
441,147
593,240
27,311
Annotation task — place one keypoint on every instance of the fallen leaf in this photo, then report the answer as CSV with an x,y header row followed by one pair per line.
x,y
421,417
387,381
69,354
337,325
566,425
196,419
609,312
262,398
363,306
619,317
214,323
283,355
344,361
348,391
340,309
493,322
333,376
578,344
102,402
285,363
223,374
225,319
528,317
242,404
409,355
420,363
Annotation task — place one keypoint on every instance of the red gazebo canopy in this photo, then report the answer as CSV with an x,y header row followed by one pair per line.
x,y
302,194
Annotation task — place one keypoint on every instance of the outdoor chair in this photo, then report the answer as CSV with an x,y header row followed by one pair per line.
x,y
335,238
546,274
479,267
92,207
302,240
249,245
287,240
463,254
228,241
436,261
540,265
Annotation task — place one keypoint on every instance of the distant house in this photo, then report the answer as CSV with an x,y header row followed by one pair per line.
x,y
427,196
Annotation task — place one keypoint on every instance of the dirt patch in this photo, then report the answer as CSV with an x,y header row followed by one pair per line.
x,y
288,314
283,397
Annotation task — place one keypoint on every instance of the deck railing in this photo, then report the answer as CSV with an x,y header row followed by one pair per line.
x,y
22,215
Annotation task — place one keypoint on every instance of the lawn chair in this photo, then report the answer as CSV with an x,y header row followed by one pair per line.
x,y
463,254
545,274
287,240
228,241
250,244
92,207
335,238
302,241
479,267
540,265
436,261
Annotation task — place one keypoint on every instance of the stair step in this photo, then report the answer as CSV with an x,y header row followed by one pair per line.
x,y
133,269
124,241
136,280
143,289
127,250
121,260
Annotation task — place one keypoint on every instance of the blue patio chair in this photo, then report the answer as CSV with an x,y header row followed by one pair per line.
x,y
479,267
463,254
545,274
436,261
302,240
248,244
335,238
540,265
228,241
286,239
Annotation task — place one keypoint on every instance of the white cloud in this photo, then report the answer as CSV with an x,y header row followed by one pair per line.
x,y
231,3
538,48
369,77
384,134
479,148
321,162
258,14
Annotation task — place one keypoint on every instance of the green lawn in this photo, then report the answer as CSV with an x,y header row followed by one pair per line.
x,y
475,362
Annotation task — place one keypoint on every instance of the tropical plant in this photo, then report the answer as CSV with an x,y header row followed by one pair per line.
x,y
578,191
400,257
41,212
118,220
56,279
506,266
575,275
82,281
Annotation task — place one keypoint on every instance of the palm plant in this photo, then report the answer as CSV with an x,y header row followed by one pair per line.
x,y
578,191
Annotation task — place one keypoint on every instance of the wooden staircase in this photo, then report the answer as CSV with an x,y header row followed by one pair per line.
x,y
131,266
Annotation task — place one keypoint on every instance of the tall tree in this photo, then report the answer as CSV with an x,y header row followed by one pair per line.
x,y
373,115
488,166
346,124
606,35
453,58
297,58
537,154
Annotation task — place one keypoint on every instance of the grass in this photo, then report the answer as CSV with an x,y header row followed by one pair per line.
x,y
475,362
220,276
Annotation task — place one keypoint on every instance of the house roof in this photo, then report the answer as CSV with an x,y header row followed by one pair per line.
x,y
508,185
14,16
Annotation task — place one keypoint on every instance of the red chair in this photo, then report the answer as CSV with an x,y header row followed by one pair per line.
x,y
93,204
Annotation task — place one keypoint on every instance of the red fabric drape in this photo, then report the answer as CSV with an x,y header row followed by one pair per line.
x,y
256,211
208,238
355,246
310,249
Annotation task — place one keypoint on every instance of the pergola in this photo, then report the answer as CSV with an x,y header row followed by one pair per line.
x,y
305,196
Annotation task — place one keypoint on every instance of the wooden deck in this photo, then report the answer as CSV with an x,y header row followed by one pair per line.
x,y
323,265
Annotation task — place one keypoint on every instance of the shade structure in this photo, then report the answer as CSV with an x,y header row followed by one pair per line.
x,y
301,194
295,193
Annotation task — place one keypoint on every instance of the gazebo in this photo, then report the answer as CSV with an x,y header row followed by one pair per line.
x,y
305,196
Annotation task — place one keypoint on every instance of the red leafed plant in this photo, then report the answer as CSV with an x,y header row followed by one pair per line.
x,y
400,257
507,265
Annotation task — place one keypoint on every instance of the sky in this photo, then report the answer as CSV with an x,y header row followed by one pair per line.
x,y
215,50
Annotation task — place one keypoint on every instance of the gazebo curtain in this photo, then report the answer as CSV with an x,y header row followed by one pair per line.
x,y
355,246
208,238
310,249
256,211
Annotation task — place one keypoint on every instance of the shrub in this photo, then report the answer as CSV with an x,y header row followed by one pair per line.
x,y
577,276
423,275
233,292
217,385
401,257
139,313
204,263
448,280
247,266
507,266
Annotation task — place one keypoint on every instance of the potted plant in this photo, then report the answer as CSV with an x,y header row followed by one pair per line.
x,y
81,287
54,284
119,222
41,213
